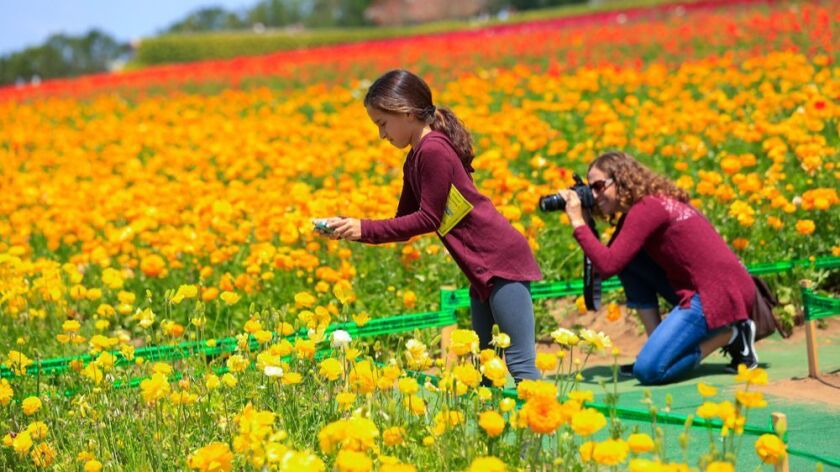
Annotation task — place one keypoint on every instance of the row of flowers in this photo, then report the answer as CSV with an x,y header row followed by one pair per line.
x,y
632,38
111,206
284,408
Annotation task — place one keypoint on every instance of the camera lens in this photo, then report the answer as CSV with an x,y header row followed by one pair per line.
x,y
552,202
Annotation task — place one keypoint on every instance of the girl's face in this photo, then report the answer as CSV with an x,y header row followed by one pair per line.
x,y
604,191
400,129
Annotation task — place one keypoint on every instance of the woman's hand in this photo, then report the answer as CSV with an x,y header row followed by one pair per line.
x,y
345,228
573,208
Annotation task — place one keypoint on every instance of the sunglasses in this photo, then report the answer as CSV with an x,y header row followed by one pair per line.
x,y
600,185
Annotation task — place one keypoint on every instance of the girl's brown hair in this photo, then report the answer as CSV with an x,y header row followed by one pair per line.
x,y
400,91
633,181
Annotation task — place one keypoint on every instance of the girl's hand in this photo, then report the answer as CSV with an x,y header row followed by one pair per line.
x,y
573,208
345,228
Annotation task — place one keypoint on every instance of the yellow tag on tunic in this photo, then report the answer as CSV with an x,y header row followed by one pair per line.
x,y
457,207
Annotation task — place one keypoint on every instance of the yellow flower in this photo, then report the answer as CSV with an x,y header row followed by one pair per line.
x,y
343,291
587,421
153,266
492,423
595,341
93,465
229,297
581,396
352,461
613,312
345,400
22,443
185,292
43,455
706,390
18,362
546,362
805,227
707,410
154,388
564,337
757,376
586,451
305,348
361,319
31,405
291,378
214,457
304,300
610,452
751,399
467,374
542,414
38,429
507,404
393,436
463,342
6,392
408,386
71,326
237,363
415,404
487,464
770,449
496,371
330,369
720,466
211,381
640,442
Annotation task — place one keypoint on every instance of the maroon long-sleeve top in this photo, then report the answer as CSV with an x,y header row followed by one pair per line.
x,y
693,255
483,243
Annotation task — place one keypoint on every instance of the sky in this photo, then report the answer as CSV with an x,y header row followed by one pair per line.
x,y
25,23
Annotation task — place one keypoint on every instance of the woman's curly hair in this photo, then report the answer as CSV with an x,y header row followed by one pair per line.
x,y
633,181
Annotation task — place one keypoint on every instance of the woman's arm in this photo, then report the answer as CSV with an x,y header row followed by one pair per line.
x,y
642,220
435,169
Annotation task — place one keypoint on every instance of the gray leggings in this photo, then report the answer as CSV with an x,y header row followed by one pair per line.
x,y
510,307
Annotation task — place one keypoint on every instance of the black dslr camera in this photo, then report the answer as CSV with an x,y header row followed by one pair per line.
x,y
555,202
591,279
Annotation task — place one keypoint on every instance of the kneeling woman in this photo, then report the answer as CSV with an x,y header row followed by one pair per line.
x,y
714,291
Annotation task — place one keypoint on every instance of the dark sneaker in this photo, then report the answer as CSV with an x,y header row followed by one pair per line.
x,y
742,347
626,370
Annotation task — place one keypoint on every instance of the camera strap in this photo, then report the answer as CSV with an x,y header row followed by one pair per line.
x,y
591,278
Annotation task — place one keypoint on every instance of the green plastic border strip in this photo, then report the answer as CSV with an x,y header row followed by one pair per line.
x,y
460,298
819,306
375,327
450,300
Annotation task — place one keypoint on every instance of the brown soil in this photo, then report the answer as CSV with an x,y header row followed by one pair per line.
x,y
628,335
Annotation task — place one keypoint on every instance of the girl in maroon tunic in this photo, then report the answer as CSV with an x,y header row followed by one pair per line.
x,y
439,195
714,291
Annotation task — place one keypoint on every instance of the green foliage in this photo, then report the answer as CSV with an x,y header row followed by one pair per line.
x,y
62,56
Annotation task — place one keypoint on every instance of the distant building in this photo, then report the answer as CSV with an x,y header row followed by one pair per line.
x,y
404,12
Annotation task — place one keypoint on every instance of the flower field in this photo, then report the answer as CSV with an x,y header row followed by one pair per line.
x,y
175,203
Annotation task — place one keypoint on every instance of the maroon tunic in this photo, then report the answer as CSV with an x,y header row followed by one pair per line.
x,y
693,255
483,244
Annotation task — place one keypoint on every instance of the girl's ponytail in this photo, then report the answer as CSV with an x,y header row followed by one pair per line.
x,y
400,91
447,123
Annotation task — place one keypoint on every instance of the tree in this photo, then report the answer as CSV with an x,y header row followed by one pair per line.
x,y
208,19
63,56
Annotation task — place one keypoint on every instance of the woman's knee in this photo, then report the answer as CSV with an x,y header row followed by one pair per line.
x,y
648,372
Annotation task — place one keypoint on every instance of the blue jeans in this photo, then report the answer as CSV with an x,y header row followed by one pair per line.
x,y
510,307
673,348
643,280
